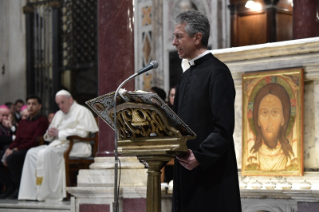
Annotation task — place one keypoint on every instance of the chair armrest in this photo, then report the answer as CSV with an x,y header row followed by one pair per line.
x,y
39,140
72,139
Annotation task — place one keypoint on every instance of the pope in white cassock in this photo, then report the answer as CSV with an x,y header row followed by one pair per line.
x,y
43,176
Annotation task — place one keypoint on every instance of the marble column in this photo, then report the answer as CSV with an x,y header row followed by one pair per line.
x,y
305,18
95,186
116,57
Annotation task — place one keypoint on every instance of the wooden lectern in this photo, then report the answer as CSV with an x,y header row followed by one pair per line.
x,y
148,129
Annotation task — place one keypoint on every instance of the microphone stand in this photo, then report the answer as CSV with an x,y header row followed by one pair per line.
x,y
116,193
152,65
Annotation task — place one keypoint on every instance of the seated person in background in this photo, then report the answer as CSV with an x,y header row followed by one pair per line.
x,y
43,176
12,124
17,108
160,92
5,132
13,157
168,173
24,112
171,97
50,117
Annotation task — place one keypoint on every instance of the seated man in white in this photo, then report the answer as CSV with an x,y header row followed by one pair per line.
x,y
43,176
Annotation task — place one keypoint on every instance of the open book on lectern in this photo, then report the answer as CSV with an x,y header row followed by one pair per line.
x,y
103,104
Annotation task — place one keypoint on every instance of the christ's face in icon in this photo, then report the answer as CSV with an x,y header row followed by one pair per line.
x,y
270,119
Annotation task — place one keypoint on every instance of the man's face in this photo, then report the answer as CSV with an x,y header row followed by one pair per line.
x,y
24,114
64,103
50,117
172,96
270,119
4,114
33,107
18,107
184,44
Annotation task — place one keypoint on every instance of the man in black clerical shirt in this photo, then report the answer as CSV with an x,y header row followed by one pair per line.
x,y
206,179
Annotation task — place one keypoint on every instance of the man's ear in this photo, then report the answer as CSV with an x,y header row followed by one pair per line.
x,y
198,38
283,121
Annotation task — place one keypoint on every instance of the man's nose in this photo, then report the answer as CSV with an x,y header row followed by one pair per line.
x,y
174,42
269,121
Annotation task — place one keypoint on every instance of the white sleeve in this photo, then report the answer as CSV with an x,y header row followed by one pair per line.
x,y
47,137
63,134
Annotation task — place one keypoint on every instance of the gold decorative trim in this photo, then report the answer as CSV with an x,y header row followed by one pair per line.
x,y
39,180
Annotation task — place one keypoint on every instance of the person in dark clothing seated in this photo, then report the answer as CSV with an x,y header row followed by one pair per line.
x,y
5,132
13,157
171,96
17,108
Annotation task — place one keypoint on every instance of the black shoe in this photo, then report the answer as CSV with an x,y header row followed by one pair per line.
x,y
7,193
14,195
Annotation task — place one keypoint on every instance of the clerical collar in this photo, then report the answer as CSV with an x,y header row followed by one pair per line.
x,y
192,61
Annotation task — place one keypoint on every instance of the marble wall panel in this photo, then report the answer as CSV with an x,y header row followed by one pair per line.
x,y
96,208
12,51
134,205
311,125
238,126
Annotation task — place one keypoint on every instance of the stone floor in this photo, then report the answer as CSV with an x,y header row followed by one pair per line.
x,y
34,206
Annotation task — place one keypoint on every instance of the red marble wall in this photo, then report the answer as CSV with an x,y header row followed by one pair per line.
x,y
134,205
305,20
93,207
116,57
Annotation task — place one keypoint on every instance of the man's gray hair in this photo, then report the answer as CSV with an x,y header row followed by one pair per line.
x,y
196,22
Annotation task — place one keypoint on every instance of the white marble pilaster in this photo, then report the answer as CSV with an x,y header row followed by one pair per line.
x,y
96,185
311,145
238,125
12,51
101,173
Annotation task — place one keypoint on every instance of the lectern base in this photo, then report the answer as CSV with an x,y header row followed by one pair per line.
x,y
153,195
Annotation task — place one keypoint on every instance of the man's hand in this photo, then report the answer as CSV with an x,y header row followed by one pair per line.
x,y
189,161
7,123
53,132
7,153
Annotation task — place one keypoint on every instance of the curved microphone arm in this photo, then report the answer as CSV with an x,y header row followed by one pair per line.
x,y
152,65
115,203
115,95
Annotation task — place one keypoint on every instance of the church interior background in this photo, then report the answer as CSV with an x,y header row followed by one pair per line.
x,y
53,44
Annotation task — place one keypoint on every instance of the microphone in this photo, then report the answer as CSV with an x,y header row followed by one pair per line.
x,y
152,65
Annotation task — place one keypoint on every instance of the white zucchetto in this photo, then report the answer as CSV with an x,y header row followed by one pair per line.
x,y
63,93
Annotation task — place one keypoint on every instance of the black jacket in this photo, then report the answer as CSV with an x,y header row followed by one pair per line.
x,y
205,102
